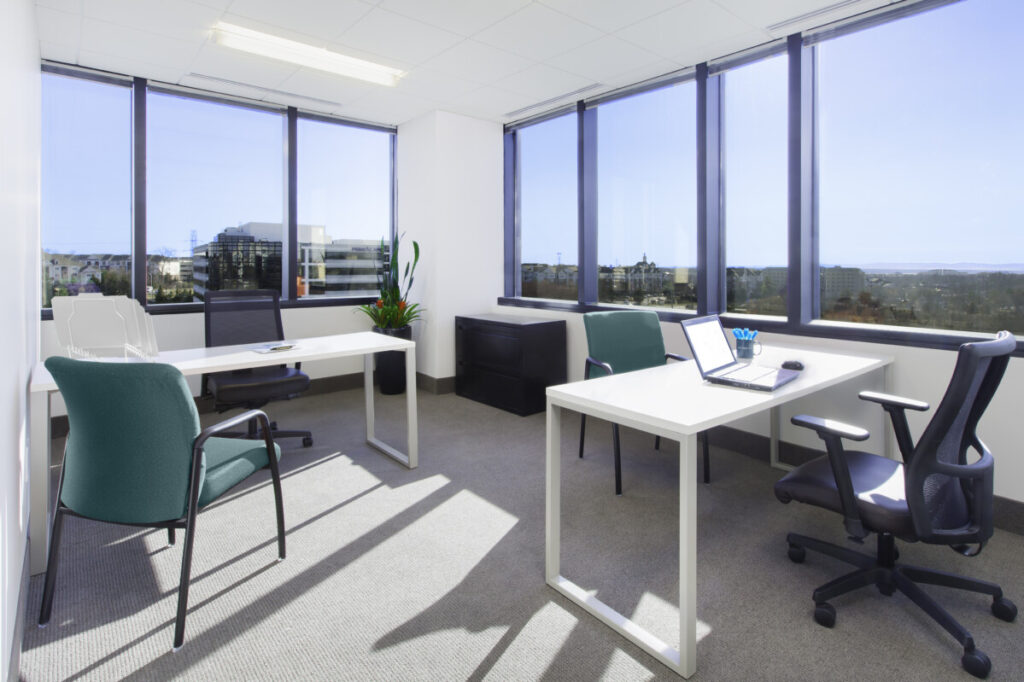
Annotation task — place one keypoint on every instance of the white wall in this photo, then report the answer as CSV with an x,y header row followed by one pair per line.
x,y
916,373
19,218
450,201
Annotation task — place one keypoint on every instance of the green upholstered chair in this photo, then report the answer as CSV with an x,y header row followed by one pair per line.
x,y
624,341
135,455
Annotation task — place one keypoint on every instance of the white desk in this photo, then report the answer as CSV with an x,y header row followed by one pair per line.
x,y
673,402
223,358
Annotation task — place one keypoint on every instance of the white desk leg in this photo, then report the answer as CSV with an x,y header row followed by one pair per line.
x,y
774,432
553,494
688,556
889,435
409,459
368,394
410,407
39,480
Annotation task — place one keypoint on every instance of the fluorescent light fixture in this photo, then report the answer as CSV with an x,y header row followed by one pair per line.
x,y
293,52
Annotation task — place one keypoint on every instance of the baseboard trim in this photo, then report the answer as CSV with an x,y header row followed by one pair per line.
x,y
342,382
14,669
1007,514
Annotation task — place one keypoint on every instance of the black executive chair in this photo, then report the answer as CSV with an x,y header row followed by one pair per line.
x,y
623,341
250,316
936,496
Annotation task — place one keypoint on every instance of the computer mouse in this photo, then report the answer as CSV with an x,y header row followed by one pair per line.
x,y
793,364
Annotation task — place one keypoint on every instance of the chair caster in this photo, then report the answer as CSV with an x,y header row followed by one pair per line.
x,y
886,588
307,441
1004,609
976,663
825,614
797,554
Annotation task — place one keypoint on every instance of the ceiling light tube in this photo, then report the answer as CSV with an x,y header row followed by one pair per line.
x,y
293,52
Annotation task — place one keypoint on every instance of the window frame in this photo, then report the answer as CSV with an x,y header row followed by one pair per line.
x,y
803,298
290,115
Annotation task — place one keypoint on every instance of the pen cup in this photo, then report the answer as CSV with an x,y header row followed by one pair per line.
x,y
746,349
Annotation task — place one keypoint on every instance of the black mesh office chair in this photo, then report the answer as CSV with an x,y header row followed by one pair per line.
x,y
250,316
936,496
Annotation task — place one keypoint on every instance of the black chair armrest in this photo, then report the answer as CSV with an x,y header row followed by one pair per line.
x,y
885,399
831,427
896,407
833,432
227,424
676,356
591,362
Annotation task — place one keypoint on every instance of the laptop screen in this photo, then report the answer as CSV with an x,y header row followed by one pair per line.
x,y
708,343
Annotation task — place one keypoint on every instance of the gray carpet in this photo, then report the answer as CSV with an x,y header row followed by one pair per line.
x,y
437,573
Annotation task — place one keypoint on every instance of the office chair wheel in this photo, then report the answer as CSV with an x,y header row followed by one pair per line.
x,y
1004,609
825,615
886,588
307,441
976,663
797,554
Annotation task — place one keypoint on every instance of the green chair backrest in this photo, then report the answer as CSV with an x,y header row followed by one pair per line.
x,y
129,451
626,339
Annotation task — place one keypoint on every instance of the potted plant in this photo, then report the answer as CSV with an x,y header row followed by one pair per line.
x,y
392,314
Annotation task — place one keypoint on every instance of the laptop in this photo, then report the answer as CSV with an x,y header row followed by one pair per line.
x,y
717,362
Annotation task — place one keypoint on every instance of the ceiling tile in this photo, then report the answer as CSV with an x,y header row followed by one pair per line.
x,y
653,70
690,55
222,62
59,28
490,103
464,17
177,19
394,36
543,82
317,18
537,32
58,52
763,14
478,62
436,85
237,90
611,15
695,24
133,67
135,45
312,83
73,6
389,108
604,59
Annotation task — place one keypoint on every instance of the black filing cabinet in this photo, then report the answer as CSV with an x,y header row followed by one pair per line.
x,y
507,361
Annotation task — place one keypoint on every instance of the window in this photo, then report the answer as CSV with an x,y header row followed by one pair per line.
x,y
920,175
647,199
755,183
215,198
85,214
548,209
344,208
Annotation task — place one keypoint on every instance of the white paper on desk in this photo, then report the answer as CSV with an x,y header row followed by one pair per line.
x,y
275,347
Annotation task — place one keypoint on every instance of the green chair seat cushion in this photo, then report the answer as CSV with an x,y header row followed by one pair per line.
x,y
228,462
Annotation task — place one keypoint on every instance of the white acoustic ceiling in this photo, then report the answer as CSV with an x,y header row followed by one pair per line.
x,y
491,59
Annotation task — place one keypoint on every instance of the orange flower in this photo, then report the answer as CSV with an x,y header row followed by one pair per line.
x,y
401,305
380,302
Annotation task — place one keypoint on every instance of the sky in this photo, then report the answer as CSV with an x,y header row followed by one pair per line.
x,y
921,138
920,141
209,166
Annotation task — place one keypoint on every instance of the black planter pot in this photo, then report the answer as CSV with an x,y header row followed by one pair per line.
x,y
391,363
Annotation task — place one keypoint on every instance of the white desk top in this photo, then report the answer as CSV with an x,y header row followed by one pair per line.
x,y
225,358
673,400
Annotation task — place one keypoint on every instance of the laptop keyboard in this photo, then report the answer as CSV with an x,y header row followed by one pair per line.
x,y
748,373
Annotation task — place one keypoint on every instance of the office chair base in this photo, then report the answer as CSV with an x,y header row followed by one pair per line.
x,y
887,576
